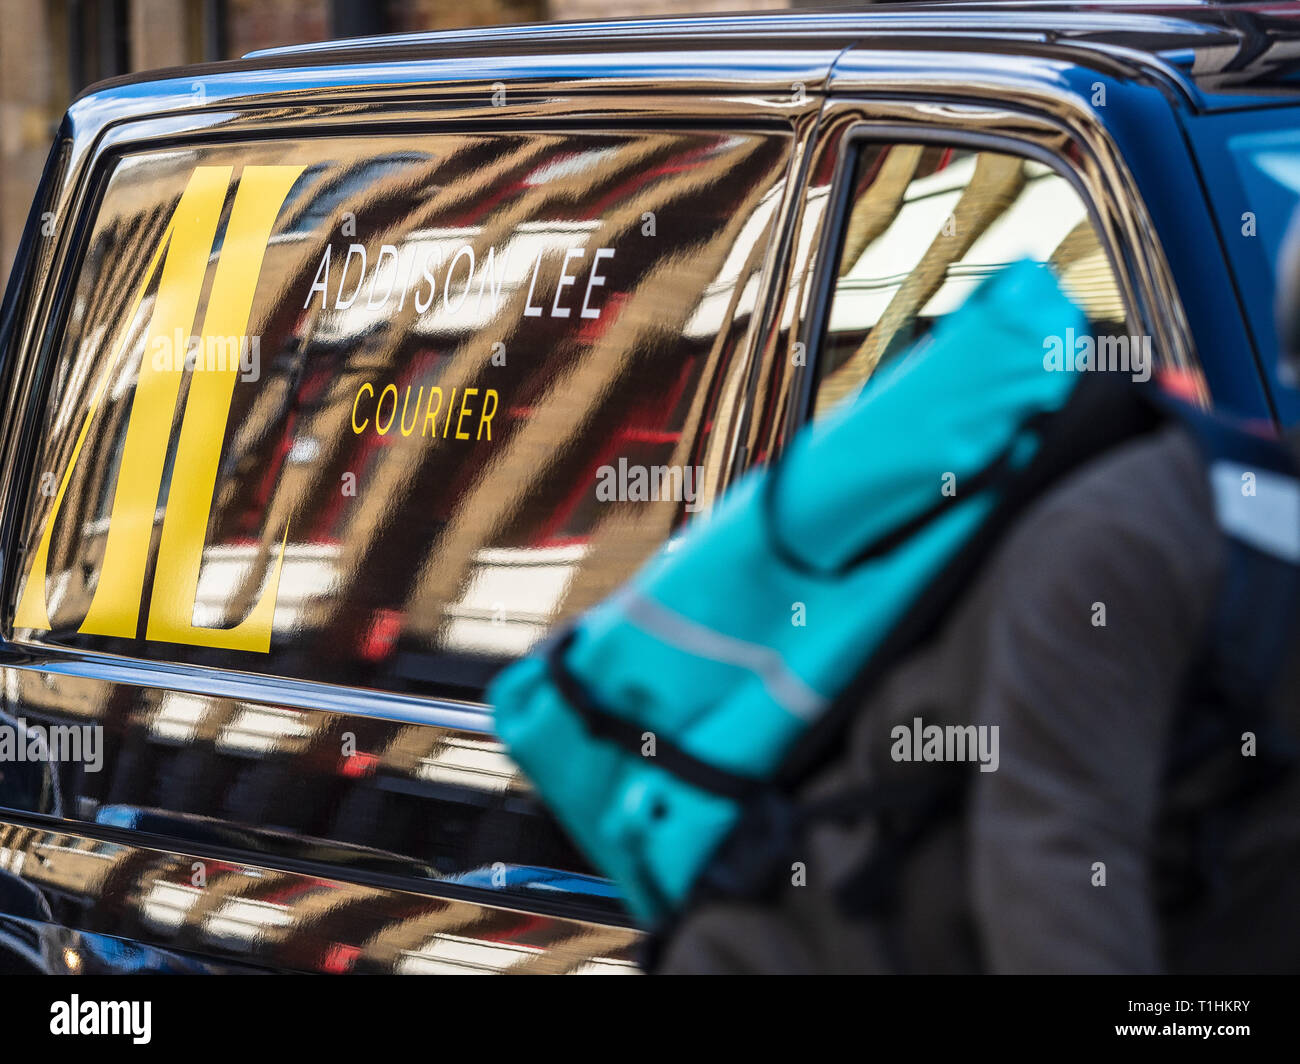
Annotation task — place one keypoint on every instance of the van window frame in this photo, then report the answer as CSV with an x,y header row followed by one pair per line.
x,y
82,194
822,294
1143,274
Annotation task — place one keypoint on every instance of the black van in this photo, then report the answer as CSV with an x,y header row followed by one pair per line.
x,y
334,377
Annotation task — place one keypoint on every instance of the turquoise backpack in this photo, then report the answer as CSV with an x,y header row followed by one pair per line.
x,y
663,721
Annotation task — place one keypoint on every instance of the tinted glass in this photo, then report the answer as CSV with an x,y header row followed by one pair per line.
x,y
381,410
924,225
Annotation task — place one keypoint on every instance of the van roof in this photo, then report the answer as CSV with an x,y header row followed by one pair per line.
x,y
1214,56
1210,48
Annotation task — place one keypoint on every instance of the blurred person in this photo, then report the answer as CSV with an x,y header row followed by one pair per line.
x,y
1138,673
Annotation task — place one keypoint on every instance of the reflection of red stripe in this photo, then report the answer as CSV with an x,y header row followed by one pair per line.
x,y
592,329
1185,384
635,435
517,931
340,958
654,411
299,889
358,765
625,191
565,541
577,492
379,640
481,208
680,163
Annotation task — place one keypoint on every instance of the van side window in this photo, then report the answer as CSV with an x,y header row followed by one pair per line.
x,y
924,225
381,410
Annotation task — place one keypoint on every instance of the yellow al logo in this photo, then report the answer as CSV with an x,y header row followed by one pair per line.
x,y
182,255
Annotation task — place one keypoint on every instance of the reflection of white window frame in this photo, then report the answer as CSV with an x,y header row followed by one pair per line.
x,y
245,919
167,905
1042,216
457,954
711,311
258,730
477,764
508,603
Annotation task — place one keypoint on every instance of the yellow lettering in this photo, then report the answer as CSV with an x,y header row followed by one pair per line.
x,y
431,412
464,409
485,415
359,429
262,189
447,424
389,424
415,420
115,607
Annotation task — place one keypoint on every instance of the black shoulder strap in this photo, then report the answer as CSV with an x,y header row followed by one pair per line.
x,y
1104,410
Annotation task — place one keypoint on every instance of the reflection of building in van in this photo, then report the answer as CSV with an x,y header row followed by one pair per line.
x,y
235,910
401,568
415,554
505,605
926,225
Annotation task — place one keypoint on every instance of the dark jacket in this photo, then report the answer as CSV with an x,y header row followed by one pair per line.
x,y
1085,713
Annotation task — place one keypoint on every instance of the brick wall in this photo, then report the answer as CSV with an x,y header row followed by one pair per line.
x,y
27,111
410,16
269,23
600,9
36,83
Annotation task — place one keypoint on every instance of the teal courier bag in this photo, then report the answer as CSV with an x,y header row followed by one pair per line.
x,y
651,723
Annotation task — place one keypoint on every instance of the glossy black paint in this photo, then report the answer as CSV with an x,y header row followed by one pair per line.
x,y
224,828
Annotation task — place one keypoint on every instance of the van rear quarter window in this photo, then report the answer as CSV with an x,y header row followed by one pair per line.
x,y
380,410
925,224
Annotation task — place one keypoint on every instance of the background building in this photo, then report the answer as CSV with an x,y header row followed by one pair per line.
x,y
52,49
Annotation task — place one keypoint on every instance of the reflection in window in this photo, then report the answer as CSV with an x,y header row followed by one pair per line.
x,y
925,225
462,340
